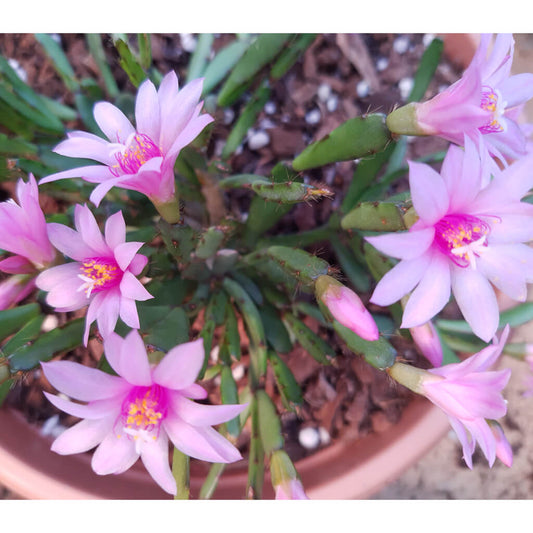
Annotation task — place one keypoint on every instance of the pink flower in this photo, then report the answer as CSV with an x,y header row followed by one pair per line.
x,y
291,490
24,232
135,413
485,102
466,239
504,452
102,275
470,394
14,289
346,307
427,340
142,158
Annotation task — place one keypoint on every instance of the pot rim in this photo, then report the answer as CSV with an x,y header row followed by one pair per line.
x,y
344,470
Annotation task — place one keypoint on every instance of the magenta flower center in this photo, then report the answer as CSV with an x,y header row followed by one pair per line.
x,y
462,238
139,149
143,410
491,101
98,274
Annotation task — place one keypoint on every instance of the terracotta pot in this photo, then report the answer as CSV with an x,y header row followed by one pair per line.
x,y
344,470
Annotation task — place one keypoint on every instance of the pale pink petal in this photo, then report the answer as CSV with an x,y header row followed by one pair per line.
x,y
517,89
16,265
83,383
200,442
125,252
134,366
52,277
154,456
83,436
68,241
115,454
128,312
103,188
400,280
115,230
167,89
477,301
93,173
108,312
87,148
113,122
92,314
137,264
404,245
198,414
92,411
194,391
180,367
428,192
431,294
90,232
467,442
147,112
132,288
67,295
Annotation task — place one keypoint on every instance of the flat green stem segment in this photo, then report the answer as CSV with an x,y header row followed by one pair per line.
x,y
211,481
357,137
180,471
380,354
374,216
269,423
261,52
12,320
256,457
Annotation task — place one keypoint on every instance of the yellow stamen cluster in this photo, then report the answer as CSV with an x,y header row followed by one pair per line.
x,y
97,274
142,413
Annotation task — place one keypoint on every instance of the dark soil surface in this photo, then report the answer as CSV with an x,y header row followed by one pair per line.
x,y
339,77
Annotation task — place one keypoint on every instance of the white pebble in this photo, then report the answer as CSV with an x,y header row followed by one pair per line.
x,y
401,44
405,85
258,139
49,323
325,437
229,115
323,92
56,37
214,353
382,63
332,103
238,372
48,426
266,124
313,116
188,42
309,438
270,108
17,67
428,37
362,89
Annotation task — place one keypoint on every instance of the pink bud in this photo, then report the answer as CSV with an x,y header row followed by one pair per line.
x,y
427,340
346,307
291,490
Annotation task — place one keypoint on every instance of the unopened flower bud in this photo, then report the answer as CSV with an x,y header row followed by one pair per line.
x,y
504,451
427,340
346,307
285,479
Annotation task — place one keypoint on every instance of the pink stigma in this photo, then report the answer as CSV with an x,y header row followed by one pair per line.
x,y
99,273
462,238
139,149
491,102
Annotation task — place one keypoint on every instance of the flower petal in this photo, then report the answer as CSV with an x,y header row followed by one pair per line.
x,y
431,294
115,230
92,411
477,301
200,442
404,245
428,192
83,383
132,288
198,414
154,456
125,252
83,436
115,454
147,112
113,122
180,367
